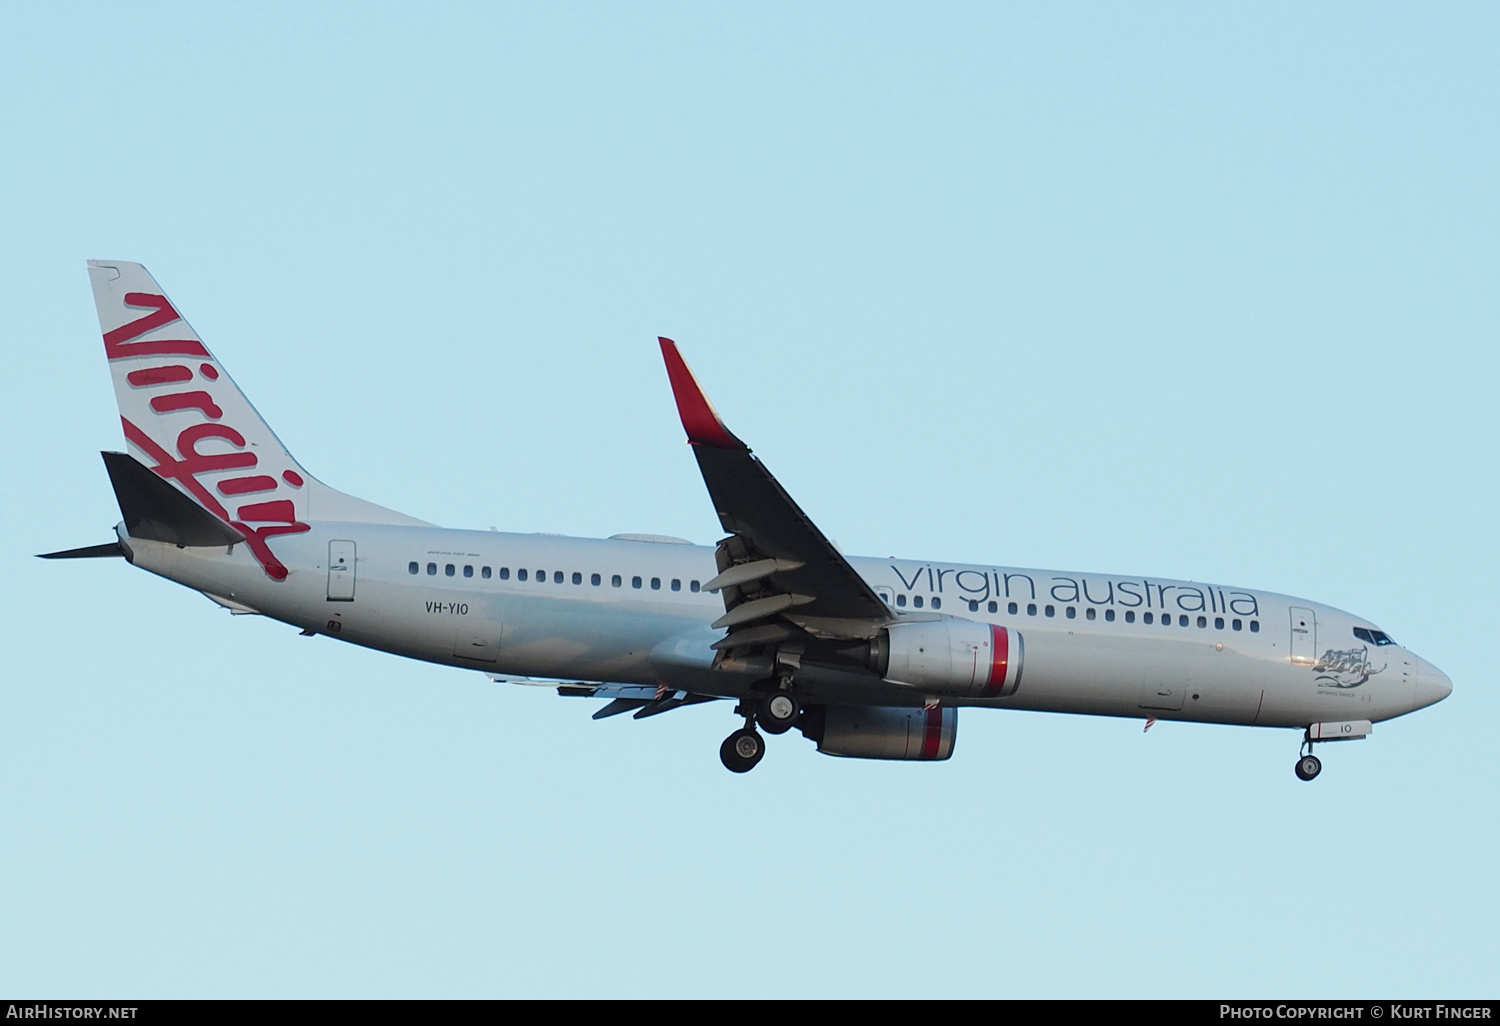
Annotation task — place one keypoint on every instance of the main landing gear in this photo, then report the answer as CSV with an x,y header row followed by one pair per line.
x,y
742,750
775,711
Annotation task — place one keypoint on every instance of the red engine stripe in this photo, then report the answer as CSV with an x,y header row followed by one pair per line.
x,y
932,735
999,660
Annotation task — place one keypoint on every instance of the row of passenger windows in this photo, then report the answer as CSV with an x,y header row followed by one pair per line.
x,y
1090,613
540,576
1071,612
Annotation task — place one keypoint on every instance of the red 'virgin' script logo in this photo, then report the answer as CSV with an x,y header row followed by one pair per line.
x,y
274,516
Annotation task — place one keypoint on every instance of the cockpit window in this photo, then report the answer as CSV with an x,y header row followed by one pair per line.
x,y
1373,637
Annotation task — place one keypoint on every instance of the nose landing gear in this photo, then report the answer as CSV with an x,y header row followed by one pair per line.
x,y
1308,766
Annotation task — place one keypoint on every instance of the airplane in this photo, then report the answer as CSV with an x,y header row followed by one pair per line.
x,y
868,658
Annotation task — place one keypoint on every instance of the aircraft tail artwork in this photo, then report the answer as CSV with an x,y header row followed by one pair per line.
x,y
185,419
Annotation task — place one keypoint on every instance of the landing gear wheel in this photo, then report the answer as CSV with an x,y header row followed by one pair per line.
x,y
1308,767
742,750
777,712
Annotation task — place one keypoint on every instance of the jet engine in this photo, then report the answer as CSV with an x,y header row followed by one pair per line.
x,y
950,657
881,732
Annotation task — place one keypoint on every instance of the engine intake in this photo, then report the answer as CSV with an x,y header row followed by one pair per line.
x,y
951,657
882,732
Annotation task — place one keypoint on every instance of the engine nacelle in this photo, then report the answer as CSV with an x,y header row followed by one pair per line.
x,y
951,657
879,732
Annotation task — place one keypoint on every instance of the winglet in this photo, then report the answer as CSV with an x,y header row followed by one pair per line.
x,y
699,418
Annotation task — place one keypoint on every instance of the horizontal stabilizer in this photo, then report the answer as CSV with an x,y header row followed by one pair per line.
x,y
671,702
156,511
87,552
621,705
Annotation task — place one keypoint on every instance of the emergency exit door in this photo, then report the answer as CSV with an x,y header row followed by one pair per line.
x,y
341,571
1304,636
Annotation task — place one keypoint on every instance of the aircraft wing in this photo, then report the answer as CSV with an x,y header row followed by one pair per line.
x,y
775,568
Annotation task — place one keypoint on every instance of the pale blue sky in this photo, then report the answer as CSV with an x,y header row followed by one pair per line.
x,y
1205,291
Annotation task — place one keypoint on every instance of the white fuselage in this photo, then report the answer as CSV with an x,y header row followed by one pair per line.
x,y
633,612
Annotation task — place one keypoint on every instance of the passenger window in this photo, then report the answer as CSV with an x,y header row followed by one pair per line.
x,y
1031,609
1071,612
484,572
937,603
431,569
973,606
557,577
1236,625
411,568
916,600
448,570
1254,626
1218,623
577,577
635,582
521,574
1145,618
505,573
656,584
676,584
468,570
900,600
595,579
992,607
1202,621
1182,620
615,581
1109,614
1050,610
1089,613
1130,616
693,587
1011,609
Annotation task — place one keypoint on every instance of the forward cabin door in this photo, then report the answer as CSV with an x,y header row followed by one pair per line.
x,y
1304,636
341,571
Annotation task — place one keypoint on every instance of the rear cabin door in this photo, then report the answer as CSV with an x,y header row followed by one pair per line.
x,y
341,571
1304,636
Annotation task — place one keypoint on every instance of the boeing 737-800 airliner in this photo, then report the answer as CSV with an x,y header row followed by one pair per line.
x,y
869,658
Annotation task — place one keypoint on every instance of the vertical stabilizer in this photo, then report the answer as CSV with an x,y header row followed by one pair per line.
x,y
187,420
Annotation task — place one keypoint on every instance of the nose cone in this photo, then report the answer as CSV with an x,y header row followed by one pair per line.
x,y
1433,685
